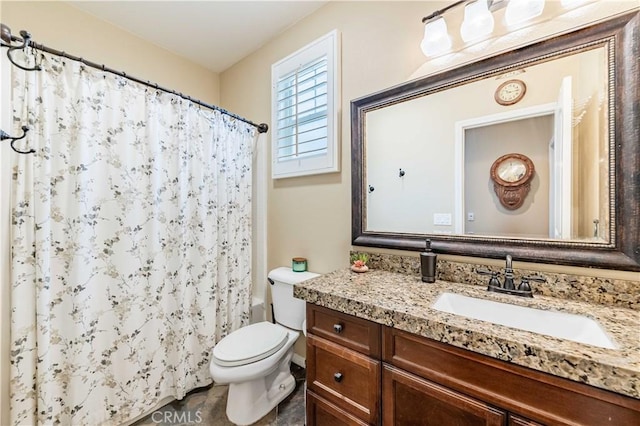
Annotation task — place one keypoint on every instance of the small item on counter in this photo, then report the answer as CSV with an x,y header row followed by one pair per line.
x,y
428,264
359,262
299,264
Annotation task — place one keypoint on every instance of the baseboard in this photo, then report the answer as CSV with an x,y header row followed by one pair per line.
x,y
299,360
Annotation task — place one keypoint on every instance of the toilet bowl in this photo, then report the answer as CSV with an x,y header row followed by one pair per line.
x,y
255,360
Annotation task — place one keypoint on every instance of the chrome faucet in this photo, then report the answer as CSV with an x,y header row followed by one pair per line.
x,y
508,287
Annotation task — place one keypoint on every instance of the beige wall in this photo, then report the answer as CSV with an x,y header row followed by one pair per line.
x,y
311,216
62,27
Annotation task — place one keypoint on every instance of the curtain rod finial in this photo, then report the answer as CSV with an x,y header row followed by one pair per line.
x,y
5,33
263,128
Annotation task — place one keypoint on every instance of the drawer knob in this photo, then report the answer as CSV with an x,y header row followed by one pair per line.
x,y
337,377
337,328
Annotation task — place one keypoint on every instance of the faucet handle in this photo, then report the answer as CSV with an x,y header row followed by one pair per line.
x,y
524,284
493,281
537,278
482,271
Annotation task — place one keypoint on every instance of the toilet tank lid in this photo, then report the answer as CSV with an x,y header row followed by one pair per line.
x,y
287,276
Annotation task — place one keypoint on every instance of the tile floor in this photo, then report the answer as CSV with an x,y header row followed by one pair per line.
x,y
206,407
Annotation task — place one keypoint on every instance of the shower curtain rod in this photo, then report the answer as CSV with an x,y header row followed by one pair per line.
x,y
7,38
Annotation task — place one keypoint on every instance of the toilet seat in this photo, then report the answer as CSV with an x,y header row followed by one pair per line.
x,y
250,344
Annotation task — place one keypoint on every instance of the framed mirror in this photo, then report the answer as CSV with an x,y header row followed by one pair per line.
x,y
533,153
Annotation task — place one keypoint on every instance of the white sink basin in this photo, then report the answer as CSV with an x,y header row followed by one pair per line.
x,y
562,325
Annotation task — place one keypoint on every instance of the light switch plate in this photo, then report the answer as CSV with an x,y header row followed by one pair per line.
x,y
442,219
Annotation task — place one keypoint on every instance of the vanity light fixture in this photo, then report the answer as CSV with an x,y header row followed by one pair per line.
x,y
479,21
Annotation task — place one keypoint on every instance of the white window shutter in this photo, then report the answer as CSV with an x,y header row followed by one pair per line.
x,y
304,110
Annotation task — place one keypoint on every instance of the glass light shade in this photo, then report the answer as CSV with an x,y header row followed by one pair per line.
x,y
478,21
522,10
436,37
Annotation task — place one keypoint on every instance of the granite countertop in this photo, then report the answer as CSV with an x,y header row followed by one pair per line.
x,y
404,302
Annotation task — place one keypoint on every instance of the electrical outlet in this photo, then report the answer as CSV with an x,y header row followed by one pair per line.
x,y
471,216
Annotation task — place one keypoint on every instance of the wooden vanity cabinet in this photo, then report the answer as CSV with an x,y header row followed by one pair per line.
x,y
392,377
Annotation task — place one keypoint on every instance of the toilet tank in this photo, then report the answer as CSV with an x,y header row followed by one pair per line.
x,y
288,310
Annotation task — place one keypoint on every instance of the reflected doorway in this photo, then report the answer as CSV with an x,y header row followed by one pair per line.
x,y
479,142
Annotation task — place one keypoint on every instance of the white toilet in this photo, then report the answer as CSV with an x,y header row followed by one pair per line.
x,y
255,359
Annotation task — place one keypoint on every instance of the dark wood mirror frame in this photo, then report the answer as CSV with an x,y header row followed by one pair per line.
x,y
622,35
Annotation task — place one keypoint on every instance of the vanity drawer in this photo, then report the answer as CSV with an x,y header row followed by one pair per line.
x,y
354,333
344,377
321,412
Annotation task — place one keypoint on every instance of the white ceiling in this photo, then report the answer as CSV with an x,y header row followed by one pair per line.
x,y
214,34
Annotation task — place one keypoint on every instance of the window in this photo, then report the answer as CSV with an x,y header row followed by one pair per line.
x,y
304,103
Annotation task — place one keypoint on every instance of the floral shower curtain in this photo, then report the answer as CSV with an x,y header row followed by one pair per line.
x,y
131,244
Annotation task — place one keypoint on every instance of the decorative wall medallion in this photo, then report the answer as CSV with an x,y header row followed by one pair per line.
x,y
511,175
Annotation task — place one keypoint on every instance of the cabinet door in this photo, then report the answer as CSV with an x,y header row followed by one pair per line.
x,y
321,412
411,400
